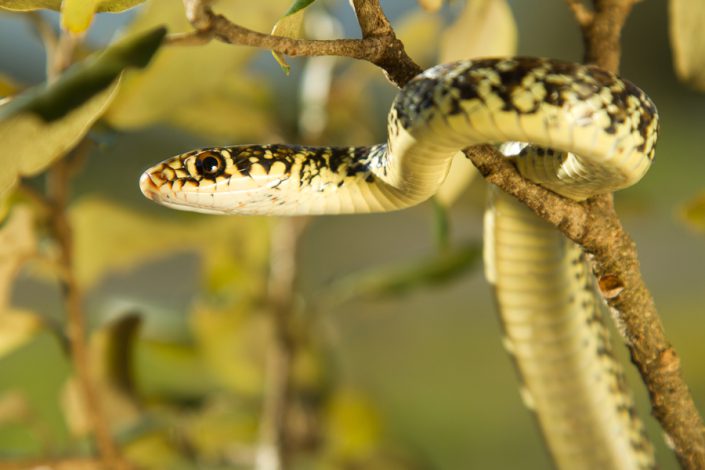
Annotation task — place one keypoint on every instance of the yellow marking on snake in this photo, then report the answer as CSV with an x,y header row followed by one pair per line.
x,y
575,129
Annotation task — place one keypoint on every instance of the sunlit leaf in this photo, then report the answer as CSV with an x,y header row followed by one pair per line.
x,y
485,28
290,26
109,238
171,372
102,5
8,86
14,407
77,15
225,424
394,280
16,328
419,31
234,345
693,212
184,84
353,425
219,112
155,451
18,243
687,31
431,5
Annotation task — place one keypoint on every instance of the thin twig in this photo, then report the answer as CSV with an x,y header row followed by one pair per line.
x,y
583,15
272,447
58,184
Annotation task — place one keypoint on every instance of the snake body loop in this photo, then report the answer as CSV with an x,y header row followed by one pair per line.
x,y
583,131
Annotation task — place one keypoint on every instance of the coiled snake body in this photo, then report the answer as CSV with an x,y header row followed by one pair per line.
x,y
588,132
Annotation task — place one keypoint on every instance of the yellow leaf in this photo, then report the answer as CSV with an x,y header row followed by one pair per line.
x,y
109,237
103,5
485,28
219,113
156,450
289,26
16,328
234,345
419,31
77,15
182,83
13,407
431,5
222,423
18,243
353,425
28,144
687,31
8,86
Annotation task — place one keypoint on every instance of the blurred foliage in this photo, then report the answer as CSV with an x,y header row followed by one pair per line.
x,y
687,41
180,308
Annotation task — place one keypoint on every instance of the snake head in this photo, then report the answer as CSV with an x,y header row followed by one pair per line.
x,y
242,179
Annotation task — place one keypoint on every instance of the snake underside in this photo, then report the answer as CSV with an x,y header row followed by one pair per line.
x,y
577,130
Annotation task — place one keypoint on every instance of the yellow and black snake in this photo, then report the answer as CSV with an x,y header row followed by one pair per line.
x,y
575,129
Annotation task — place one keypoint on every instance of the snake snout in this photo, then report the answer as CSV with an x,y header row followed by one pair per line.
x,y
148,186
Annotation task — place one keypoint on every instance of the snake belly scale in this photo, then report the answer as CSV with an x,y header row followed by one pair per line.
x,y
575,129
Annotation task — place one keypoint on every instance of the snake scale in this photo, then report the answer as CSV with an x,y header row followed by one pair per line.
x,y
575,129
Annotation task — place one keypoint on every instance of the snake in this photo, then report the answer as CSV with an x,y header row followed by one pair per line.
x,y
575,129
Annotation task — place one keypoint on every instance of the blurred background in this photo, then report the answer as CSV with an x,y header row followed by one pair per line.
x,y
396,357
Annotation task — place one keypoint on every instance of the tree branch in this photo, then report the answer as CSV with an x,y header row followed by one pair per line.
x,y
379,44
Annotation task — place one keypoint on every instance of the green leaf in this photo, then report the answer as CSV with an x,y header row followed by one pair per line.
x,y
111,6
289,26
85,80
394,280
45,122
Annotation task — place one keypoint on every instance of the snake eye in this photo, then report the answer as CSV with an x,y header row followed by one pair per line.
x,y
210,164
